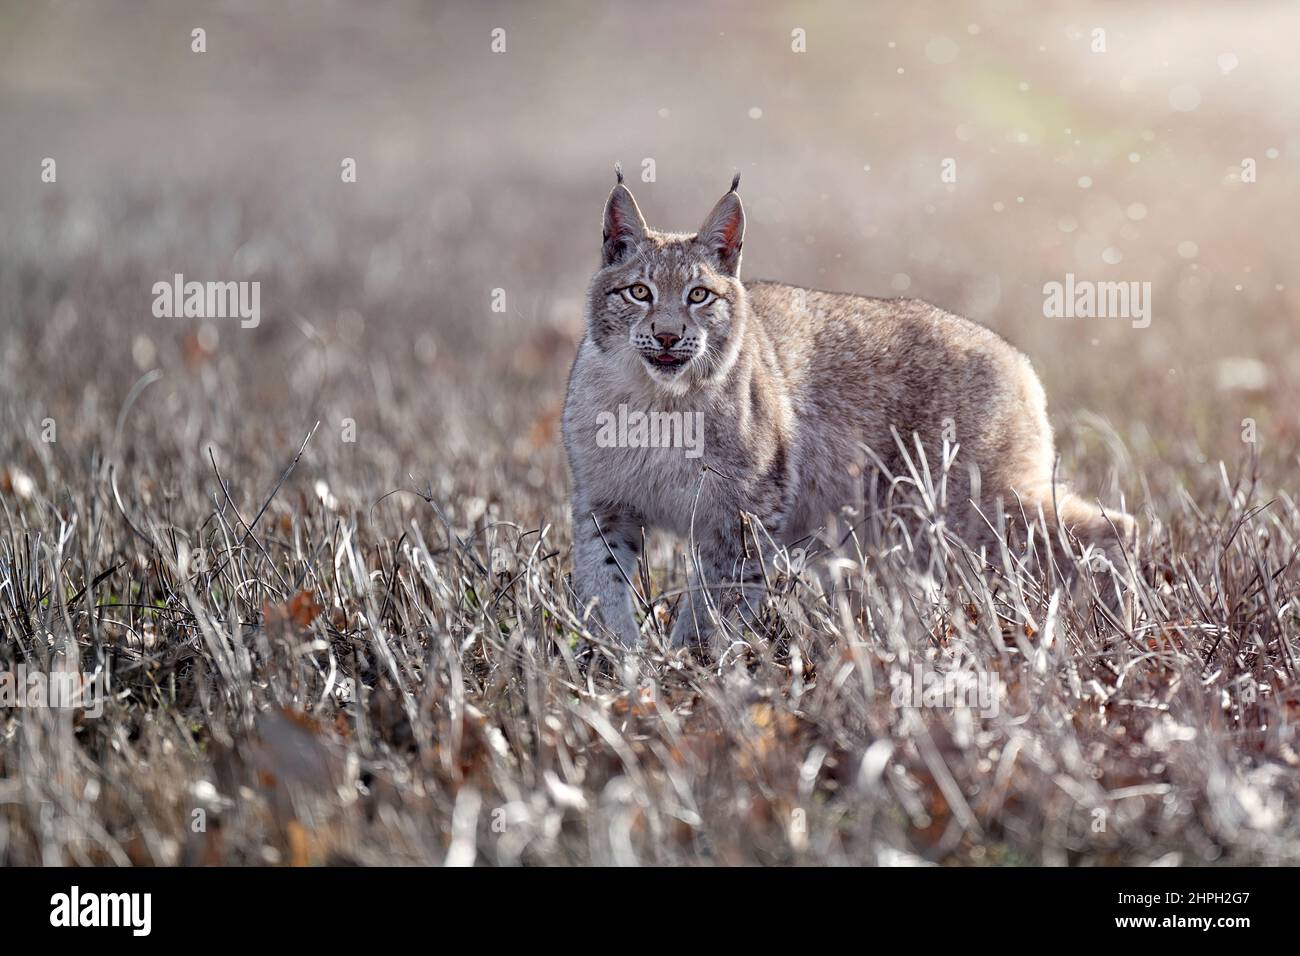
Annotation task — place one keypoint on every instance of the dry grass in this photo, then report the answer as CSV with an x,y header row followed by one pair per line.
x,y
335,673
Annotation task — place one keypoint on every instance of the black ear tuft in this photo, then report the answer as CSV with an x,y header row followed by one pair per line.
x,y
735,182
618,171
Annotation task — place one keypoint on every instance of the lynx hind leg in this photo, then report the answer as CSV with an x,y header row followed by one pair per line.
x,y
1110,532
1108,540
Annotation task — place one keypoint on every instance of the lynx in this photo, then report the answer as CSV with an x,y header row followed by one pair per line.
x,y
800,393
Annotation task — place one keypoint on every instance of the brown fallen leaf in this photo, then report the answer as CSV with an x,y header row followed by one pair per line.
x,y
300,610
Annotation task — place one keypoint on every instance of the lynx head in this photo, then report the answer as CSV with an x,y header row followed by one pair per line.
x,y
669,305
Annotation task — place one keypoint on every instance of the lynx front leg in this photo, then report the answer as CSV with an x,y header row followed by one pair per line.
x,y
607,545
727,581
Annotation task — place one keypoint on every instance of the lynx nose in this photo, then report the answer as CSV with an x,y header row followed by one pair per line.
x,y
667,339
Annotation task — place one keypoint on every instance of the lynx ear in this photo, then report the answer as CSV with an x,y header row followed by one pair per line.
x,y
624,224
723,232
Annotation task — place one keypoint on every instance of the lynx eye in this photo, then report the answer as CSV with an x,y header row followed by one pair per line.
x,y
640,292
700,294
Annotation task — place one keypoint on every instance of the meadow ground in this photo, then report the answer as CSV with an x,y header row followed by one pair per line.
x,y
324,561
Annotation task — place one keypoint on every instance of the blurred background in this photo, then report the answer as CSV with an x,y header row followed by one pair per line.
x,y
1114,155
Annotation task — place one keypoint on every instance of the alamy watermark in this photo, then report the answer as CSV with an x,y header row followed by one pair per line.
x,y
973,690
208,300
637,429
56,690
133,911
1086,299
